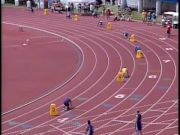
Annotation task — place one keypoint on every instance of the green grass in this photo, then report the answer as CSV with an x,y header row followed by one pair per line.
x,y
136,15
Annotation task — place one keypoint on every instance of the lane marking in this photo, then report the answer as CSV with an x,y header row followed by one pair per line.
x,y
120,96
59,129
62,120
166,61
162,38
61,84
129,122
152,76
169,49
156,110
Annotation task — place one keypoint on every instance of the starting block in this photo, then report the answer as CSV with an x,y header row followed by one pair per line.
x,y
53,110
120,77
45,11
137,48
125,72
139,54
109,26
132,38
76,18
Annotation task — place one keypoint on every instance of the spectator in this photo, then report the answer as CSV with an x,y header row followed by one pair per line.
x,y
149,18
68,13
91,8
72,8
144,16
117,17
153,18
103,10
94,14
29,5
122,18
169,28
89,129
79,7
129,19
113,2
108,13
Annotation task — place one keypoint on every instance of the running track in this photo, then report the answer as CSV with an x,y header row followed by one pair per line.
x,y
152,87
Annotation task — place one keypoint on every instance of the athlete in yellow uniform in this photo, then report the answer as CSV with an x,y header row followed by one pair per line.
x,y
125,72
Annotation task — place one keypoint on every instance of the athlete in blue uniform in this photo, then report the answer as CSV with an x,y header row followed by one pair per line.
x,y
126,35
89,129
138,125
137,48
67,104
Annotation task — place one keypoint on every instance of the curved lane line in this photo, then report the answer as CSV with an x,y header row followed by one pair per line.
x,y
81,65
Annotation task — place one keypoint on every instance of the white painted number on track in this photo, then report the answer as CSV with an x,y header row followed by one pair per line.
x,y
67,134
169,49
166,61
62,120
162,38
152,76
120,96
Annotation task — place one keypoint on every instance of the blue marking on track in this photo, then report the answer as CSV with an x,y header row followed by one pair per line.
x,y
82,98
136,97
107,105
141,63
163,87
147,51
75,123
71,115
167,79
12,123
26,126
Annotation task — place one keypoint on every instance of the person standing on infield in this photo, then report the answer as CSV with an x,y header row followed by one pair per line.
x,y
89,129
138,125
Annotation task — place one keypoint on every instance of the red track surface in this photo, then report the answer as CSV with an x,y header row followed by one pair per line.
x,y
91,58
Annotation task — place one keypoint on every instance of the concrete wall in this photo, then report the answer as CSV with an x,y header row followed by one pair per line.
x,y
2,1
132,3
147,4
151,4
168,6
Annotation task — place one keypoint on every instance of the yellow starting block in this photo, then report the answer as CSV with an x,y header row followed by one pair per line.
x,y
120,77
45,11
53,110
109,26
132,38
139,54
76,18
